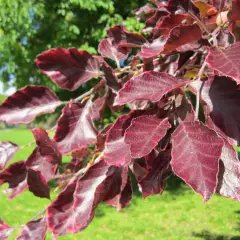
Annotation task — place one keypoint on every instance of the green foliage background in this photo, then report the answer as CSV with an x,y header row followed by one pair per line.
x,y
29,27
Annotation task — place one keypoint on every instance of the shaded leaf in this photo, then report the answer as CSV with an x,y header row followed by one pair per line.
x,y
34,230
196,151
37,184
222,97
225,61
7,152
27,103
121,37
68,68
15,176
147,86
144,133
75,127
154,182
123,198
111,79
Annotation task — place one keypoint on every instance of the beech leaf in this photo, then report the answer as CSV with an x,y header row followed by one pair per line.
x,y
229,173
74,207
144,134
28,103
34,230
107,50
159,169
7,152
68,68
121,37
225,61
222,97
196,151
147,86
75,127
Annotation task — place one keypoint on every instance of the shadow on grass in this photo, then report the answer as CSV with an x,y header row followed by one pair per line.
x,y
206,235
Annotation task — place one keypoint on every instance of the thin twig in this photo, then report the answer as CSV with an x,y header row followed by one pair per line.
x,y
81,97
199,90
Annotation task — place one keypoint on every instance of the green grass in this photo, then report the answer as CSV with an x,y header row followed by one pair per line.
x,y
178,214
2,97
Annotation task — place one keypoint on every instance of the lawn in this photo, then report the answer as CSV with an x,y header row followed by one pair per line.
x,y
178,214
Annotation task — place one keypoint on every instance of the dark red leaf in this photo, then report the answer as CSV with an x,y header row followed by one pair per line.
x,y
147,86
222,97
145,12
78,159
123,198
98,108
27,103
225,61
5,230
15,176
235,12
150,50
111,79
75,127
68,68
121,37
159,169
196,151
139,168
171,21
229,173
46,146
144,134
157,16
74,208
180,36
107,50
7,152
34,230
37,184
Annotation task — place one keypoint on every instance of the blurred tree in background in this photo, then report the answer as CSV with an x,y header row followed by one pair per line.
x,y
29,27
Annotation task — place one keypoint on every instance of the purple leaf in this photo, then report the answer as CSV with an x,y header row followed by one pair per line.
x,y
159,169
229,173
123,198
68,68
196,151
7,152
117,152
46,146
178,37
98,108
121,37
5,230
222,97
147,86
225,61
74,208
75,127
34,230
144,134
37,184
27,103
107,50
